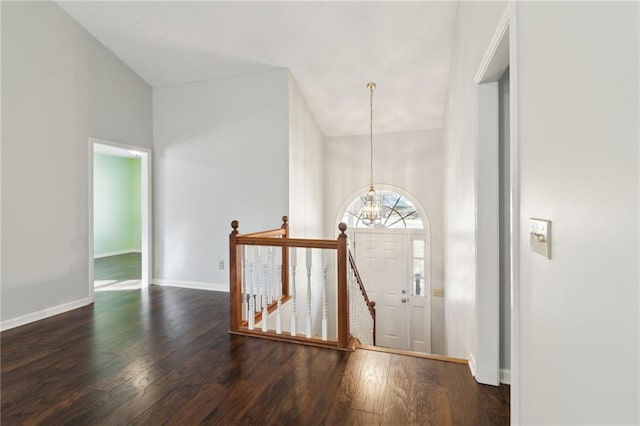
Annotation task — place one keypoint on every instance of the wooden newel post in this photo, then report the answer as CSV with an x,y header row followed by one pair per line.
x,y
344,334
235,277
285,258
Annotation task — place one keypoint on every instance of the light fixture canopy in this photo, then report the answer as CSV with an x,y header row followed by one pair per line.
x,y
372,205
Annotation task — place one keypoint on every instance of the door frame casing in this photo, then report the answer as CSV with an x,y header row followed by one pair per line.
x,y
500,54
146,208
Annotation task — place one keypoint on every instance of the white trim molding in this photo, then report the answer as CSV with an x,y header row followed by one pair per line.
x,y
505,376
514,151
496,58
196,285
116,253
495,61
472,365
45,313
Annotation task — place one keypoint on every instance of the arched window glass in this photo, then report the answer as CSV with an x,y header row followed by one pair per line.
x,y
397,213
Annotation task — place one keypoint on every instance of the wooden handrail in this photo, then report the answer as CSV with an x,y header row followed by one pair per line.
x,y
271,233
287,242
370,304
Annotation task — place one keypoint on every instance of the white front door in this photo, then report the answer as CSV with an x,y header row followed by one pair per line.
x,y
384,261
381,258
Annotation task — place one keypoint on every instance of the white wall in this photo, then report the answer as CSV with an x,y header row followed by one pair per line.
x,y
306,210
221,152
306,161
60,86
412,161
476,23
577,82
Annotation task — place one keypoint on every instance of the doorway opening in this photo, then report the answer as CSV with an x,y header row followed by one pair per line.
x,y
119,185
394,261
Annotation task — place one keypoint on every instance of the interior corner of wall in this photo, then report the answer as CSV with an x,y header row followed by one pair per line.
x,y
472,365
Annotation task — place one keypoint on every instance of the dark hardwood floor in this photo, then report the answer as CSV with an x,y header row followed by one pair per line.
x,y
119,272
165,357
120,267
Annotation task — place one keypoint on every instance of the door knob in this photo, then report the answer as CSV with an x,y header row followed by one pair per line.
x,y
404,291
404,300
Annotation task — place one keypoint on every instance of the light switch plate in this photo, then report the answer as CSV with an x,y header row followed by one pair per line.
x,y
540,236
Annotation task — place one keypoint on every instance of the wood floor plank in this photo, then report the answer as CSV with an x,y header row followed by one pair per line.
x,y
346,389
362,418
402,397
163,356
371,388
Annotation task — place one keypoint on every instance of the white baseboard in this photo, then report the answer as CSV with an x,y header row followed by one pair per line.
x,y
115,253
505,376
45,313
191,284
472,365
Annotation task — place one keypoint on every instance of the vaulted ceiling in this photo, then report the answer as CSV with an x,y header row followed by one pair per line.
x,y
332,49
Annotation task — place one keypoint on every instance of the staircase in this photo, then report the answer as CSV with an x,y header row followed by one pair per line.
x,y
306,291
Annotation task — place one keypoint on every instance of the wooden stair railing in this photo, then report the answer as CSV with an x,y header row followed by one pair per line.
x,y
271,283
371,305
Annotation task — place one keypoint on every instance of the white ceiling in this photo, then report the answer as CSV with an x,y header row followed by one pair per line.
x,y
331,48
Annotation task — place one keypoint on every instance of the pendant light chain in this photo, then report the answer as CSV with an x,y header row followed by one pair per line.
x,y
371,86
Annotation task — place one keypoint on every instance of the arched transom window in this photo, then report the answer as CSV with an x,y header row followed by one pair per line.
x,y
396,211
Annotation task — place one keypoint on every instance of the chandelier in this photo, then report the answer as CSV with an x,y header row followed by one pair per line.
x,y
371,210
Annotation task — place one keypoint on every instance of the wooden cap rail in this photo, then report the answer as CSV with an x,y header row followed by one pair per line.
x,y
267,234
288,242
280,238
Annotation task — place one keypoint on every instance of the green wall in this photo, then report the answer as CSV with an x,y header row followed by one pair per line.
x,y
116,204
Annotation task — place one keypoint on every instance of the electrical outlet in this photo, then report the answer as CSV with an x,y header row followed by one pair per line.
x,y
438,292
221,264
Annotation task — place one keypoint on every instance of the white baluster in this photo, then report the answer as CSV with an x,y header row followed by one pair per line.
x,y
276,289
265,276
252,316
279,318
278,286
293,262
265,295
269,276
258,294
251,252
324,304
308,293
244,285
